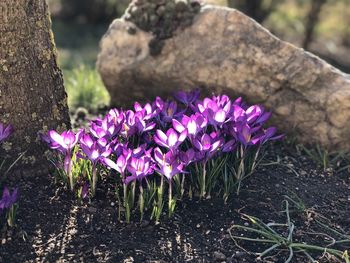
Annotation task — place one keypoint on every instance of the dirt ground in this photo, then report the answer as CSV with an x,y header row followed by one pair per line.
x,y
52,226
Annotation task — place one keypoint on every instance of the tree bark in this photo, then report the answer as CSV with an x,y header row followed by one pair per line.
x,y
32,96
312,20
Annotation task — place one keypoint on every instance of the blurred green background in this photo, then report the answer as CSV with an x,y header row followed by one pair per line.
x,y
320,26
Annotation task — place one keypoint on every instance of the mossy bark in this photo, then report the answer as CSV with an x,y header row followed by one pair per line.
x,y
32,95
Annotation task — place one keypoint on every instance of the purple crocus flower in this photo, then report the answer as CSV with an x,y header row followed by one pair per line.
x,y
85,191
141,151
120,165
193,124
65,144
129,125
124,154
144,126
8,199
5,131
269,134
94,149
169,112
67,140
106,128
254,115
139,168
52,144
171,139
167,164
247,135
229,146
147,112
216,110
207,145
188,156
187,98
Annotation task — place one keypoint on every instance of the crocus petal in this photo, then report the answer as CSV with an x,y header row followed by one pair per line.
x,y
150,126
158,156
130,179
161,136
7,131
57,138
159,142
264,117
172,137
220,116
121,162
178,126
182,136
107,152
87,140
14,196
5,193
206,142
137,106
215,145
228,106
270,132
94,155
102,142
85,191
237,112
229,146
197,144
192,127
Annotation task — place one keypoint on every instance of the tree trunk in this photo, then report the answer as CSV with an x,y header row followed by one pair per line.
x,y
312,20
32,96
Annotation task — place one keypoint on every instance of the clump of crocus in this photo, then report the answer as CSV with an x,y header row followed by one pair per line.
x,y
5,131
8,204
186,145
94,150
65,143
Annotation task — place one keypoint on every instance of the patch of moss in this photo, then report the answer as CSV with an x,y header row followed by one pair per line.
x,y
162,18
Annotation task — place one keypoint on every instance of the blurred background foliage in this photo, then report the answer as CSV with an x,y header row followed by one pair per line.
x,y
320,26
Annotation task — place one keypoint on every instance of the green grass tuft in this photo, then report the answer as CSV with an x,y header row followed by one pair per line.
x,y
85,89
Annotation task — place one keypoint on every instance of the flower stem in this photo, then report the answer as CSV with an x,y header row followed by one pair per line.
x,y
94,178
203,186
170,201
182,186
141,201
68,170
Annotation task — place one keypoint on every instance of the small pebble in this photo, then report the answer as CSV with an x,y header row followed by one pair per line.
x,y
219,256
92,210
239,254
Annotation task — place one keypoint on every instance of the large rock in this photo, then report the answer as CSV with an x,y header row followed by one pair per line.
x,y
225,51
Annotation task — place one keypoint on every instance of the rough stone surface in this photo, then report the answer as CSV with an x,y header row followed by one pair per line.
x,y
225,51
161,17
